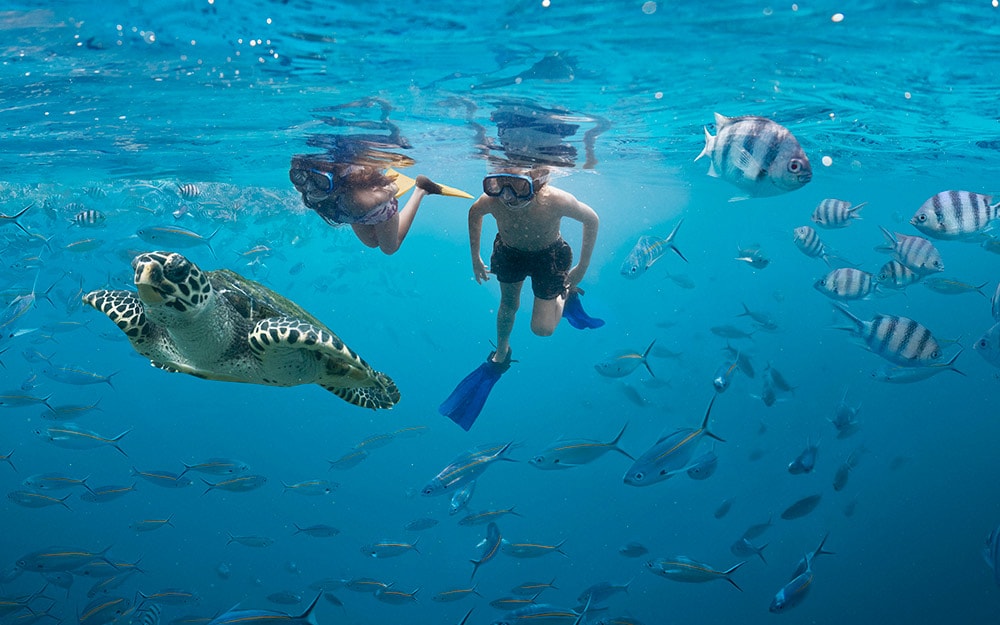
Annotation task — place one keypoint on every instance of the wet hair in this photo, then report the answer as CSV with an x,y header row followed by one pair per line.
x,y
354,175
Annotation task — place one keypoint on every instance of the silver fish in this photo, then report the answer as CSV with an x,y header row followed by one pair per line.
x,y
988,345
995,304
897,339
624,363
72,436
805,462
465,468
955,215
831,213
907,375
648,250
846,283
317,531
808,242
684,569
670,455
743,548
13,219
704,466
753,256
802,507
756,155
915,252
566,454
724,376
460,498
950,286
806,562
991,553
490,545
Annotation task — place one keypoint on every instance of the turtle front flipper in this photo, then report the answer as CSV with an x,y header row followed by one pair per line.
x,y
292,351
126,310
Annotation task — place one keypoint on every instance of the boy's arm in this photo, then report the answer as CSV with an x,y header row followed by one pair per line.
x,y
588,217
476,213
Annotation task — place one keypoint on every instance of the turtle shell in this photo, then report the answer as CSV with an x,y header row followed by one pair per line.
x,y
254,301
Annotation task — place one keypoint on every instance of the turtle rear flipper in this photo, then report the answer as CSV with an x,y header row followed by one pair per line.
x,y
337,368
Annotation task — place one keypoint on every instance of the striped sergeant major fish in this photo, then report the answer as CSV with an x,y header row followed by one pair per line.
x,y
895,275
900,340
809,243
831,213
846,283
917,253
757,155
149,614
648,250
89,218
953,215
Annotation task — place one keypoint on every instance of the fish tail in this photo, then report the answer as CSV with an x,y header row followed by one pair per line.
x,y
704,423
644,360
728,575
64,504
670,239
760,552
843,309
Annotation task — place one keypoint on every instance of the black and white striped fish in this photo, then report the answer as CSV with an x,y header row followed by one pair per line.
x,y
897,339
89,218
757,155
917,253
846,283
831,213
188,190
896,275
955,215
148,614
809,243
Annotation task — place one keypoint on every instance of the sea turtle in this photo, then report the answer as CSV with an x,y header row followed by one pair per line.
x,y
218,325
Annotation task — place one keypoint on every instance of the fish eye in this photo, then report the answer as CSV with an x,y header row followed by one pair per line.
x,y
639,476
983,343
794,165
921,217
538,459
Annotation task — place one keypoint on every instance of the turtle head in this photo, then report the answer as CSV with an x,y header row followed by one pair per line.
x,y
167,279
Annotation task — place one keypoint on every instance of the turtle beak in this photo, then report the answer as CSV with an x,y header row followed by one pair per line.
x,y
145,279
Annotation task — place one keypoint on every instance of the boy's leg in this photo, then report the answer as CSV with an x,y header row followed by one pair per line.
x,y
546,313
510,300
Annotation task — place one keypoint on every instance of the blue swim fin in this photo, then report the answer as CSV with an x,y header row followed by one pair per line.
x,y
576,316
467,400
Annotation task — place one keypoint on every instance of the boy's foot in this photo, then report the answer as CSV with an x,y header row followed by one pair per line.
x,y
501,365
429,186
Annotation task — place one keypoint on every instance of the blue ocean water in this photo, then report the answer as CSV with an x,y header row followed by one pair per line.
x,y
115,108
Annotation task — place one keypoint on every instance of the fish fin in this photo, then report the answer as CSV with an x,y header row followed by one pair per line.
x,y
707,151
670,240
714,173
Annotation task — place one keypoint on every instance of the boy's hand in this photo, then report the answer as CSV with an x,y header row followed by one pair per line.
x,y
479,270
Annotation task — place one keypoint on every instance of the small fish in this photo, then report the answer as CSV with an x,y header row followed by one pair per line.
x,y
995,304
15,399
465,468
460,498
757,530
743,548
82,246
899,340
681,280
895,275
311,488
988,345
487,516
950,286
805,462
13,219
533,588
71,374
846,283
567,454
260,617
777,379
349,460
831,213
602,591
388,548
844,470
724,376
908,375
648,250
684,569
54,481
765,321
513,603
704,466
317,531
455,594
172,596
951,215
490,545
742,360
104,610
756,155
808,242
806,562
175,237
257,542
917,253
376,441
792,593
32,499
60,559
72,436
633,550
530,550
723,508
670,455
164,479
991,553
730,332
217,466
625,363
104,494
89,218
239,484
285,597
365,584
802,507
188,190
845,418
419,525
396,597
148,525
753,256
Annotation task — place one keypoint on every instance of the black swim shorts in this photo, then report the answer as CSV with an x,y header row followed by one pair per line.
x,y
548,267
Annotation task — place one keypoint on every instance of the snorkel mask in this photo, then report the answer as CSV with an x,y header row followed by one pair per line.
x,y
514,190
